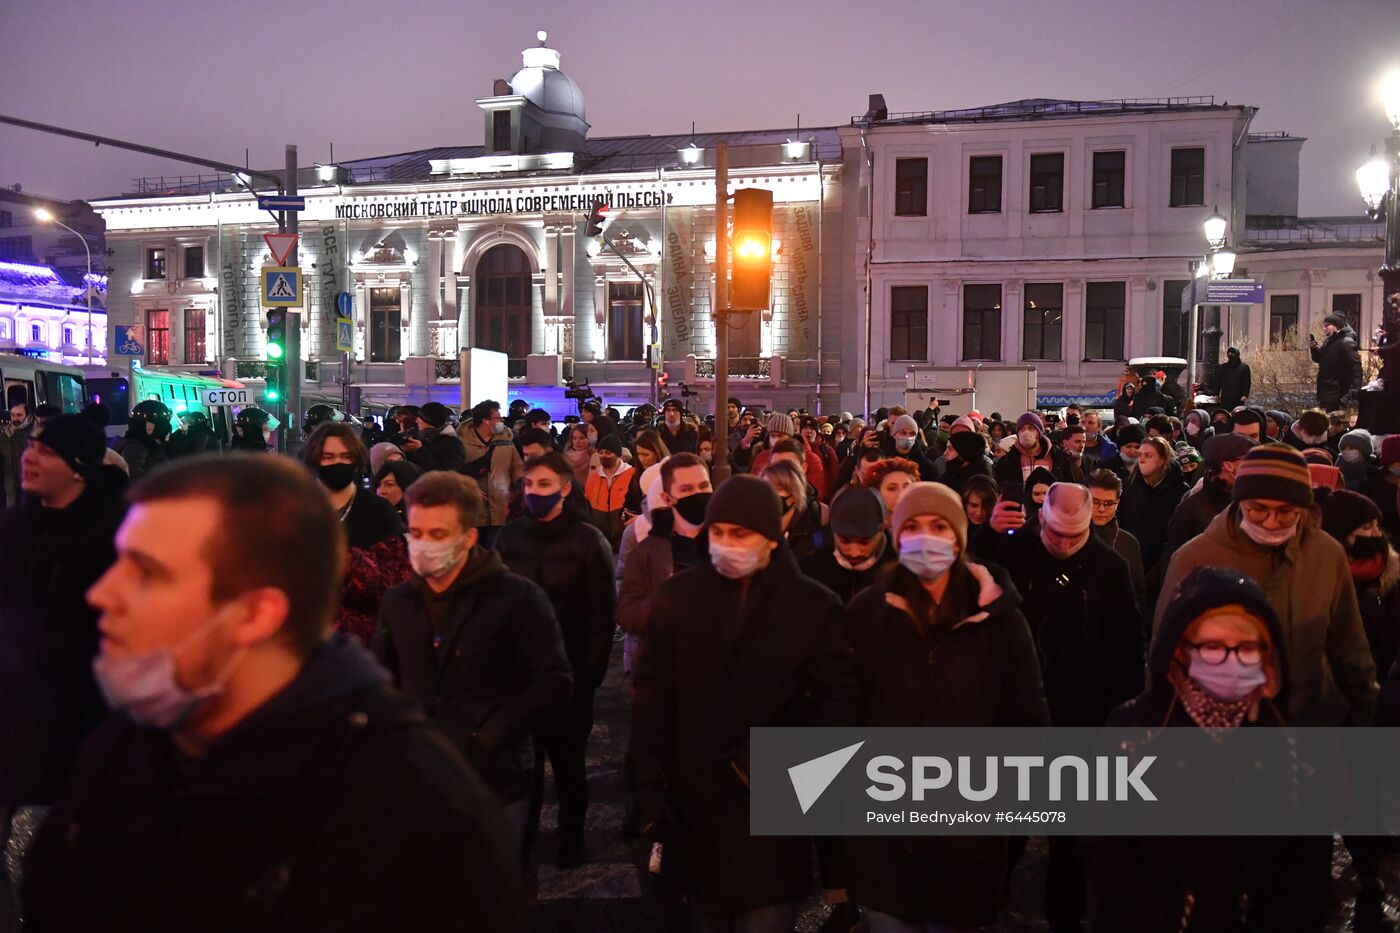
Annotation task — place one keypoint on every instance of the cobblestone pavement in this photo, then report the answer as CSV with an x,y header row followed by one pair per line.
x,y
614,893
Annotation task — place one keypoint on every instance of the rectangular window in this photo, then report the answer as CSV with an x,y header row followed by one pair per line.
x,y
385,322
1349,306
984,185
1109,167
625,305
1174,330
500,131
909,322
982,322
7,219
1103,320
155,263
158,337
17,248
67,336
1188,177
1047,183
910,187
194,262
36,333
1043,321
1283,321
195,320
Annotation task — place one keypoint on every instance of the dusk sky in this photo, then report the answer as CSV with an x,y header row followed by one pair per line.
x,y
376,78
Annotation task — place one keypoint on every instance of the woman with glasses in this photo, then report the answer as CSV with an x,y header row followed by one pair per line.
x,y
1218,664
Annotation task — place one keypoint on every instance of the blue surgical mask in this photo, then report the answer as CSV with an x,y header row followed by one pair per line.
x,y
540,506
904,444
1230,680
926,556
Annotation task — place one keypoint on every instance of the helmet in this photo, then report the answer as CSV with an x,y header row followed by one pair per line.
x,y
317,415
153,412
251,417
195,418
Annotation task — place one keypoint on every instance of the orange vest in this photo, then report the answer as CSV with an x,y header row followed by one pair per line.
x,y
605,497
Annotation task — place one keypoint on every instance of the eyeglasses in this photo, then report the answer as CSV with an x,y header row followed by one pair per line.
x,y
1105,503
1250,653
1286,515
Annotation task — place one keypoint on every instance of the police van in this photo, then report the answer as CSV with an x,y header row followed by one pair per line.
x,y
33,380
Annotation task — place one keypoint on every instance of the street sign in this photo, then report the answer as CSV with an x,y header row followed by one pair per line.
x,y
281,245
344,304
128,341
223,398
1233,292
344,335
281,202
281,286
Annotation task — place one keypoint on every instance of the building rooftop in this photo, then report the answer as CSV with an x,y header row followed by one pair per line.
x,y
1042,107
1267,232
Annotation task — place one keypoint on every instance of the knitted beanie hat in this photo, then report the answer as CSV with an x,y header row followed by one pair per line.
x,y
779,423
1345,511
931,499
904,423
1360,439
1030,419
1274,471
749,502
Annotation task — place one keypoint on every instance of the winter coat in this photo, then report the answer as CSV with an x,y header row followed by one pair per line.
x,y
1379,601
1146,511
1100,451
491,675
1308,583
369,572
1206,433
955,473
142,454
1088,631
650,562
441,450
816,475
830,466
822,567
49,558
808,532
1235,383
1126,546
334,806
974,666
1149,397
1386,496
12,444
573,563
370,520
684,441
1195,512
720,656
1123,406
1338,369
607,495
1166,884
502,471
1010,468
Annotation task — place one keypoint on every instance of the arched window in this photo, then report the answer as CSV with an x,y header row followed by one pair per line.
x,y
503,301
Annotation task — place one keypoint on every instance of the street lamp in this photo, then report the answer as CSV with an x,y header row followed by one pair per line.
x,y
1373,179
44,215
1215,229
1222,263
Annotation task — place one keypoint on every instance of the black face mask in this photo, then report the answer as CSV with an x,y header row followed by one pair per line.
x,y
1366,548
336,476
692,507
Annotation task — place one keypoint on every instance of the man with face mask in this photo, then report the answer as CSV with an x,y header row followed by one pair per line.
x,y
1234,380
904,441
478,646
1223,454
606,489
1032,449
1130,438
1354,452
1268,535
571,560
13,437
1097,445
742,639
243,779
678,436
860,547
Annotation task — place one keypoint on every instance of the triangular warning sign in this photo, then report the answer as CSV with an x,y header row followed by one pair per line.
x,y
281,245
282,287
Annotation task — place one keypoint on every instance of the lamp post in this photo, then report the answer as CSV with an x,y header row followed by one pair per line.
x,y
1218,265
1379,180
46,216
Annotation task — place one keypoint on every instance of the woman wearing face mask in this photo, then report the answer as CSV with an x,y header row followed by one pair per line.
x,y
1151,494
579,454
705,447
1196,429
1354,457
1218,664
392,480
378,555
804,517
939,641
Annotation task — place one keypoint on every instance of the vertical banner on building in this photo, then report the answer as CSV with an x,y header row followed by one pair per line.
x,y
800,251
328,273
676,305
231,293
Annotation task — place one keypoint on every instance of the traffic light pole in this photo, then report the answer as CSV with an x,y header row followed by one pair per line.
x,y
651,299
291,363
719,310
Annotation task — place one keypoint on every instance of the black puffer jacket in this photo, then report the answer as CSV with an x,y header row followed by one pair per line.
x,y
721,656
1146,511
334,806
49,558
823,568
1338,369
572,561
974,665
490,673
441,450
1195,512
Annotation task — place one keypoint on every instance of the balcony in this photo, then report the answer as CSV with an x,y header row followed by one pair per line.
x,y
756,370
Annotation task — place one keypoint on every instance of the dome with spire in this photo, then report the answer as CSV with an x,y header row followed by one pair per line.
x,y
542,83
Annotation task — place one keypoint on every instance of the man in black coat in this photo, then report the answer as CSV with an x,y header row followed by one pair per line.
x,y
478,646
570,559
263,776
1150,396
1338,363
1198,509
54,545
679,437
1089,635
742,640
860,549
1234,379
436,446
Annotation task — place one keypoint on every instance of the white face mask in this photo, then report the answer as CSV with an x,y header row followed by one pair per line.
x,y
925,556
857,566
904,443
1192,428
1352,455
1027,438
735,562
1266,537
433,559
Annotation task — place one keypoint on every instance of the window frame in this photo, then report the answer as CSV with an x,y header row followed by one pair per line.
x,y
185,254
1032,187
198,352
1107,326
616,302
1275,334
157,351
909,322
149,263
1122,181
1185,197
911,201
1353,320
988,193
992,313
1182,331
1043,325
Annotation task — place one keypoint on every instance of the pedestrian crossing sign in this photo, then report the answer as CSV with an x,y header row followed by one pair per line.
x,y
281,286
344,335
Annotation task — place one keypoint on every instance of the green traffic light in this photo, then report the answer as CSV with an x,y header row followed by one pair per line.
x,y
274,351
272,395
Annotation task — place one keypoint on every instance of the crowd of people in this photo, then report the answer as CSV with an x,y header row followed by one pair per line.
x,y
245,692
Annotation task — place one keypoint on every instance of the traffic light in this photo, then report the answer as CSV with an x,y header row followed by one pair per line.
x,y
276,334
663,379
596,217
752,248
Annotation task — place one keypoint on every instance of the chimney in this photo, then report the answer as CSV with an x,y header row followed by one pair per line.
x,y
501,88
877,111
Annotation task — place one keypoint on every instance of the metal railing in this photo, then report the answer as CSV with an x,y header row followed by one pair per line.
x,y
184,184
1339,233
740,367
1043,107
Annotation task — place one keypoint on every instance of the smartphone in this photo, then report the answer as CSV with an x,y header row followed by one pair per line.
x,y
1013,493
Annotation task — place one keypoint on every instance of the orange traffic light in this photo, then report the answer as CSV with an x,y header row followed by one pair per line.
x,y
753,249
